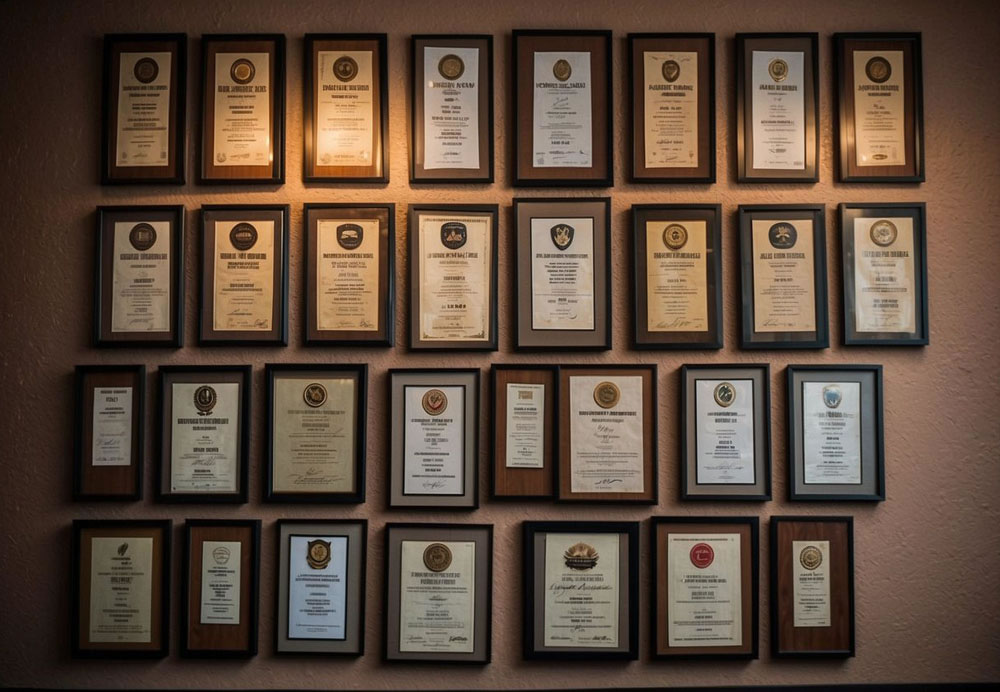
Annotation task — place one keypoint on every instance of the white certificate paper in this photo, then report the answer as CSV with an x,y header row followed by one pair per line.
x,y
244,278
562,274
677,276
143,136
671,109
606,444
705,588
581,590
451,108
831,434
220,582
778,102
347,262
724,434
562,123
345,117
879,108
121,589
204,445
140,280
884,285
434,441
437,608
784,286
811,583
525,426
242,134
112,427
317,593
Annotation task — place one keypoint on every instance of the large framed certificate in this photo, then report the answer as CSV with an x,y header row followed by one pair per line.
x,y
451,118
884,252
880,93
243,109
705,580
220,588
777,107
121,588
524,452
672,81
346,112
563,110
453,276
316,432
812,587
783,276
438,592
836,447
144,108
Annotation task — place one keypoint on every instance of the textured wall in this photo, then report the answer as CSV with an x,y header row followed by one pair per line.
x,y
928,559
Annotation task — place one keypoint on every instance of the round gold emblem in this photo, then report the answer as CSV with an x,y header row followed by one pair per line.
x,y
562,70
146,70
314,395
671,70
878,69
451,67
435,402
675,236
778,69
242,71
142,236
811,557
725,394
318,553
345,68
437,557
607,394
883,233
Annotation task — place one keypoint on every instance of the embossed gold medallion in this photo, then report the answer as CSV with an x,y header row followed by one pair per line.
x,y
811,557
607,394
345,68
318,553
242,71
675,236
451,67
437,557
142,236
562,70
778,69
725,394
434,401
146,70
878,69
243,236
883,233
314,395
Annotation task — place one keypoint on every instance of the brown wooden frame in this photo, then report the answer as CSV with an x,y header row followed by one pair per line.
x,y
523,483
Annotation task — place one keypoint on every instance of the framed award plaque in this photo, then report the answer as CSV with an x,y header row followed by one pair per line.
x,y
346,111
121,588
880,93
316,432
320,606
783,275
221,577
726,432
204,414
138,286
438,593
777,108
884,252
243,109
563,109
110,406
677,276
812,587
451,118
672,78
836,449
705,580
453,276
524,451
144,107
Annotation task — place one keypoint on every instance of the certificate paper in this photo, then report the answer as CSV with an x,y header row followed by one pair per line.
x,y
451,108
140,280
345,116
143,137
562,274
204,437
242,110
670,81
884,294
433,440
705,590
347,282
606,434
725,432
317,587
121,589
779,122
879,108
525,426
220,582
831,432
784,287
581,590
811,583
244,276
677,276
437,589
562,123
112,427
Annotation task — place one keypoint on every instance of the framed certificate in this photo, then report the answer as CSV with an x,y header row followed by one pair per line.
x,y
581,590
452,109
705,580
350,260
884,252
204,414
316,432
108,448
243,109
434,438
563,108
438,592
812,587
320,606
726,432
453,276
524,451
607,434
672,78
677,276
144,106
346,113
562,273
138,287
783,273
777,108
221,576
121,588
244,275
880,93
836,449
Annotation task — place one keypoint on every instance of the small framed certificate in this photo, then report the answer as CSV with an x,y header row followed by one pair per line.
x,y
705,580
563,108
434,438
144,108
244,275
884,252
672,78
524,451
783,275
777,107
346,112
453,276
836,448
880,93
726,432
438,593
204,414
812,587
452,109
110,407
121,588
221,576
243,109
316,427
320,606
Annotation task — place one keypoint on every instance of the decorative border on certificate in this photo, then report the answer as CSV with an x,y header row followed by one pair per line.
x,y
524,453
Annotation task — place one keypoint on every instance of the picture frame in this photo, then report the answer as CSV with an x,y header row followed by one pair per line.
x,y
524,458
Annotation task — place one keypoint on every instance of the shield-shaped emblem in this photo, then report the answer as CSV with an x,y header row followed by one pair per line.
x,y
454,234
562,235
350,235
832,396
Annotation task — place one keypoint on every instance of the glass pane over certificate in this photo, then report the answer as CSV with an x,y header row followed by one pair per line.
x,y
606,434
705,589
562,121
778,107
451,108
811,583
525,444
317,587
141,286
831,429
243,289
563,285
437,596
677,276
671,109
347,274
784,284
121,589
885,298
204,437
345,115
220,583
242,135
143,123
879,108
582,590
434,440
724,443
112,426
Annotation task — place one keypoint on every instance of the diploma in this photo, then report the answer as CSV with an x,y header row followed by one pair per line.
x,y
204,437
879,108
143,134
677,276
437,586
581,590
345,115
884,293
121,589
670,87
831,431
220,583
244,276
317,587
455,278
140,279
811,583
779,129
242,110
606,434
433,440
112,427
562,274
347,281
451,108
562,123
705,590
725,431
784,287
525,426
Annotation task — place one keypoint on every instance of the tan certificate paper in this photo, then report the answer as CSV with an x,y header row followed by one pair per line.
x,y
455,278
242,110
345,119
705,587
451,108
671,109
433,440
244,276
884,293
220,583
879,108
437,596
525,426
811,583
677,276
562,122
581,590
347,262
143,136
784,287
112,427
140,282
725,432
831,432
606,441
779,120
121,589
562,274
204,437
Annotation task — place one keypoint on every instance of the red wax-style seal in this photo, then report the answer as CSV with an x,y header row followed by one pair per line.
x,y
702,555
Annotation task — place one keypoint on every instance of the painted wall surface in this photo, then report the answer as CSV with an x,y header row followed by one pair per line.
x,y
928,558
